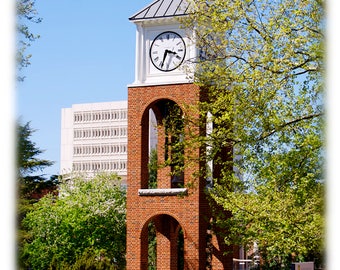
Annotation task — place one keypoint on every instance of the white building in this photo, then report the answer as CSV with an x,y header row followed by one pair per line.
x,y
94,138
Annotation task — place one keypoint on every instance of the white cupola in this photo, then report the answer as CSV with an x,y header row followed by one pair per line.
x,y
163,47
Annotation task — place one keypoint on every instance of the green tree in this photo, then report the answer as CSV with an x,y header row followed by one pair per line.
x,y
86,221
26,15
153,166
261,69
31,184
152,246
28,161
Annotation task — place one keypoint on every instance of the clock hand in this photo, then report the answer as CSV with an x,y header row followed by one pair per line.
x,y
164,56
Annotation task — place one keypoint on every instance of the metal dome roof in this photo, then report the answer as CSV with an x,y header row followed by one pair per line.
x,y
162,9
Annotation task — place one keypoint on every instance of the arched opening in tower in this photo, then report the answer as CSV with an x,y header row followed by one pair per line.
x,y
165,149
165,243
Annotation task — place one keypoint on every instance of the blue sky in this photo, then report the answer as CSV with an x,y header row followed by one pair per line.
x,y
85,54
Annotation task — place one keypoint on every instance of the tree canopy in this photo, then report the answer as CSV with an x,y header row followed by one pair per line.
x,y
30,166
261,68
31,183
28,152
26,15
86,219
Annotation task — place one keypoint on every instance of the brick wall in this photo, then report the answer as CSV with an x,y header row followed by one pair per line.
x,y
189,212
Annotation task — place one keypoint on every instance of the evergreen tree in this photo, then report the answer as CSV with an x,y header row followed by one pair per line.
x,y
30,166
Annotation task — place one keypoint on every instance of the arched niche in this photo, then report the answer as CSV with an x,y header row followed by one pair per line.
x,y
162,146
162,243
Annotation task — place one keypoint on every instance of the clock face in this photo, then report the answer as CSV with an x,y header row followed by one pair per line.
x,y
167,51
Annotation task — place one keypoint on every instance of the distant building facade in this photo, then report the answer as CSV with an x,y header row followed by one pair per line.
x,y
94,139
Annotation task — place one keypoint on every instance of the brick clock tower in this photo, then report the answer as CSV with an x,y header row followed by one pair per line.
x,y
160,208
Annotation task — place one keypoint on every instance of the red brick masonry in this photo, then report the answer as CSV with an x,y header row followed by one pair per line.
x,y
169,212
